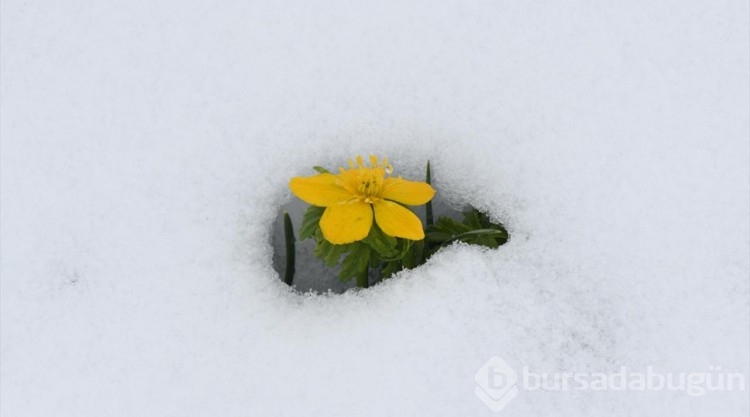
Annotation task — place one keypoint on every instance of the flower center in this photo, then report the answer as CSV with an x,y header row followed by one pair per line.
x,y
369,183
365,182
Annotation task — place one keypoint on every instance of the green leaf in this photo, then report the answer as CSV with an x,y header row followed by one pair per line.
x,y
333,255
400,252
310,222
419,253
476,229
383,244
428,207
445,229
480,220
329,252
412,256
474,236
437,236
356,262
390,268
471,219
321,170
450,225
290,249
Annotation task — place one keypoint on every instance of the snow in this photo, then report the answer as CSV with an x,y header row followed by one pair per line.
x,y
146,149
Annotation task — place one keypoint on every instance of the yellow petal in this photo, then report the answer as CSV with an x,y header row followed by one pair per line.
x,y
346,222
397,220
407,192
319,190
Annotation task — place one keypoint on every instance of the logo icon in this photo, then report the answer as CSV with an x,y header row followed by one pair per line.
x,y
496,384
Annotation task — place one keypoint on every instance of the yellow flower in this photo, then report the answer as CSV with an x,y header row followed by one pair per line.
x,y
355,196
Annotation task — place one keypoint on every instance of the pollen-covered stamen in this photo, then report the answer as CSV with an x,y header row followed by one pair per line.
x,y
369,182
364,182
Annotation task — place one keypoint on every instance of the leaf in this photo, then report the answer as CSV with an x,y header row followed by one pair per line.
x,y
401,251
481,219
473,236
485,222
321,170
310,222
290,249
383,244
428,206
472,218
436,236
445,229
356,262
476,229
390,268
329,252
413,256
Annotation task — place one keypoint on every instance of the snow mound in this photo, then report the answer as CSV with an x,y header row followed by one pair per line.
x,y
147,146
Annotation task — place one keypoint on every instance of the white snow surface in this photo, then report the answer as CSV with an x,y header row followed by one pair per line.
x,y
147,147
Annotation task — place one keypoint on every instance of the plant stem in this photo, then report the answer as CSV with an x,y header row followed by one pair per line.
x,y
429,220
428,206
363,279
290,249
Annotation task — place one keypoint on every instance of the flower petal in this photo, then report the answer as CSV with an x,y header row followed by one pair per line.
x,y
319,190
412,193
397,220
346,222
